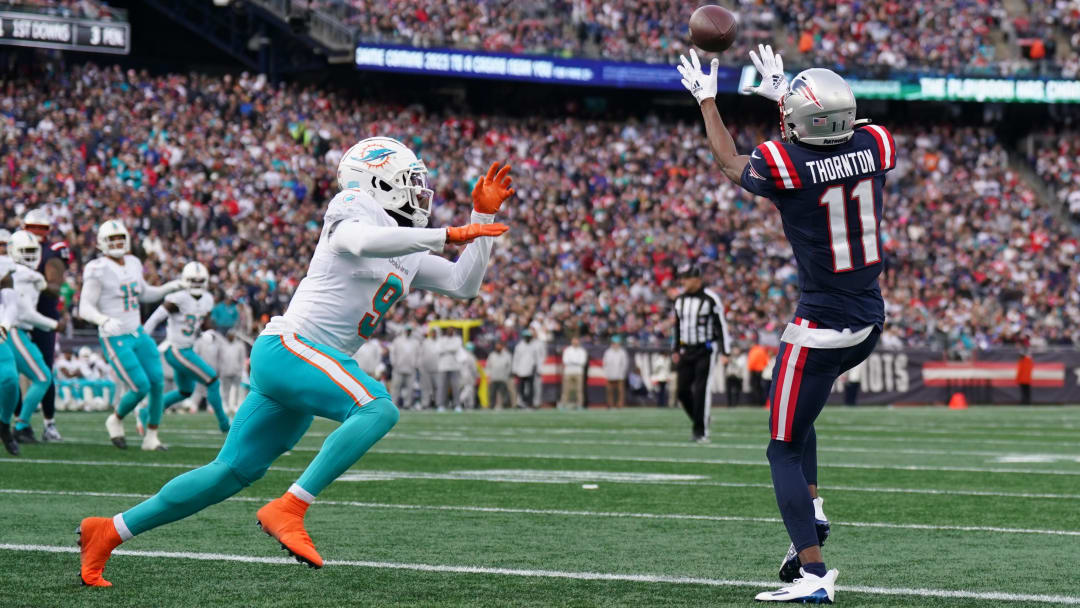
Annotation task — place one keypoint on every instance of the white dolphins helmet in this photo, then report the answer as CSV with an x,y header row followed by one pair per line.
x,y
389,171
24,248
107,241
195,277
85,353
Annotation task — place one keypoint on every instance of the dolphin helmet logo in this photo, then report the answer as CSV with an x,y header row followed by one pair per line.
x,y
374,156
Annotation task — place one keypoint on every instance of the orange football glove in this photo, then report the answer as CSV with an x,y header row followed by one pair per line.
x,y
491,190
466,234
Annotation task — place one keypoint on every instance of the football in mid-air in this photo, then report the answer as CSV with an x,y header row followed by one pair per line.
x,y
713,28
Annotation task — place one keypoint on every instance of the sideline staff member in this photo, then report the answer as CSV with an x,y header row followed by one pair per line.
x,y
700,331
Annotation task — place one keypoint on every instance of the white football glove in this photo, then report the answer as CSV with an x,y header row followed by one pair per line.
x,y
701,85
774,84
111,326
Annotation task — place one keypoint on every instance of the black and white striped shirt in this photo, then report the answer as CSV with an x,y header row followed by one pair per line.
x,y
699,318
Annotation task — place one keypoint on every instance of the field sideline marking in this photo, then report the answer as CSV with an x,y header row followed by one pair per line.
x,y
458,477
511,439
656,459
578,513
557,574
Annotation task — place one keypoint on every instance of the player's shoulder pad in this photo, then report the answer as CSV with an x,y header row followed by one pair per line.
x,y
62,251
772,161
176,296
880,140
351,203
130,259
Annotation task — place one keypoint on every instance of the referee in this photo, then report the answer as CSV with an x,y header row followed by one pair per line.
x,y
700,330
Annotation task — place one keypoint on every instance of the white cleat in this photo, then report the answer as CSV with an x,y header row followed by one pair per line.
x,y
808,589
151,443
115,427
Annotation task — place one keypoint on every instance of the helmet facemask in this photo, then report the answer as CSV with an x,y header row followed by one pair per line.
x,y
406,195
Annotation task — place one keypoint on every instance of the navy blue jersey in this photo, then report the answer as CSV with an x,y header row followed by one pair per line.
x,y
830,200
48,304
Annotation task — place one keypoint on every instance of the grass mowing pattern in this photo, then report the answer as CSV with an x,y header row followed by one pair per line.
x,y
416,496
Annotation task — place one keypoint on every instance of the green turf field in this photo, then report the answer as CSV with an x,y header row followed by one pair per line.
x,y
930,507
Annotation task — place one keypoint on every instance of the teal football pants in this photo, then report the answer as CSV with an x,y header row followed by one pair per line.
x,y
189,368
135,359
9,382
30,363
292,381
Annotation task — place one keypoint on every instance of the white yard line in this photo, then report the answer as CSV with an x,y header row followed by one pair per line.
x,y
451,476
654,459
579,513
755,447
999,596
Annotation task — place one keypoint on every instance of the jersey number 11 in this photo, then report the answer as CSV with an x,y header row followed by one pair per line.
x,y
833,200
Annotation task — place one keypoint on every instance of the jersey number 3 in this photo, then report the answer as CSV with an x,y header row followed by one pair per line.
x,y
384,298
833,200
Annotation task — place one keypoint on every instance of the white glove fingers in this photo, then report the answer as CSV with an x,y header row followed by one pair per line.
x,y
757,63
779,64
694,59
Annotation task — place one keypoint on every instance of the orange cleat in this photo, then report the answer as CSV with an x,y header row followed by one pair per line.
x,y
283,519
97,539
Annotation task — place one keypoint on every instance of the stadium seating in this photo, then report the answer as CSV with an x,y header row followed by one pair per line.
x,y
241,169
968,36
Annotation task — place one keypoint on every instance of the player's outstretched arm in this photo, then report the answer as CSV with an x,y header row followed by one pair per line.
x,y
153,293
160,314
703,87
462,279
29,314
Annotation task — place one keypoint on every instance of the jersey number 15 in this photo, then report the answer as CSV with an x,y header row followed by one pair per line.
x,y
833,201
384,298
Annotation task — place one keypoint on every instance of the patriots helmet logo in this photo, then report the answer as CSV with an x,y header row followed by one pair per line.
x,y
374,156
801,87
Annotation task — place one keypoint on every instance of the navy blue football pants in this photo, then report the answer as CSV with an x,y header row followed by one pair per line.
x,y
802,380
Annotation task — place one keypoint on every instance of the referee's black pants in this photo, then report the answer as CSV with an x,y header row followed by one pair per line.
x,y
692,380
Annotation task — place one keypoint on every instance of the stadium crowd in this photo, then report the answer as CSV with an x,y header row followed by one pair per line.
x,y
88,9
939,35
1056,162
235,171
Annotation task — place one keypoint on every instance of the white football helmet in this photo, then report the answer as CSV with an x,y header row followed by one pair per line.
x,y
25,249
107,241
389,171
194,278
37,217
85,353
818,109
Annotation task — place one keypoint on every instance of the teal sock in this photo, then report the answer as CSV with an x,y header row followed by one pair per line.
x,y
128,402
348,443
213,397
156,406
30,402
184,495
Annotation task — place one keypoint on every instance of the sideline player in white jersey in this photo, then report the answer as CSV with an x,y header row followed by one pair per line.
x,y
113,288
372,249
186,310
25,250
9,374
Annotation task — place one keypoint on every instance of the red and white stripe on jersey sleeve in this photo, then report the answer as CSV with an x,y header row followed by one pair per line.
x,y
885,145
780,166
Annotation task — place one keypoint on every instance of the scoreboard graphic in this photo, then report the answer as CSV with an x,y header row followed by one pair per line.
x,y
66,34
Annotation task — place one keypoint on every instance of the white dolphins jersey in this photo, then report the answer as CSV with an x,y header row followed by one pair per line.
x,y
6,265
121,286
343,298
184,326
28,284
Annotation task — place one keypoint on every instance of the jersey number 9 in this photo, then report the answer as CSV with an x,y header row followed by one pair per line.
x,y
384,298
